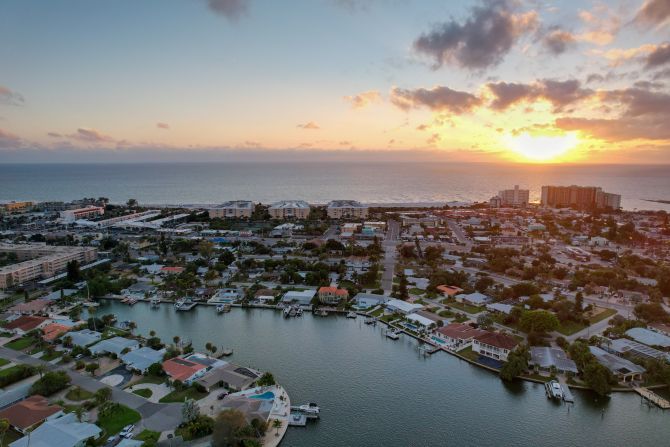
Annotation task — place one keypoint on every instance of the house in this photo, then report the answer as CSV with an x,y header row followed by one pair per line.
x,y
457,336
265,295
139,290
648,337
31,307
171,270
184,370
26,323
141,359
623,346
226,296
53,330
232,377
303,298
661,328
545,358
332,295
402,307
475,299
500,308
24,415
114,345
624,370
449,291
420,320
84,337
368,300
64,431
494,345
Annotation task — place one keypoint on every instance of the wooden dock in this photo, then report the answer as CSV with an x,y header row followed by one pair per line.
x,y
652,397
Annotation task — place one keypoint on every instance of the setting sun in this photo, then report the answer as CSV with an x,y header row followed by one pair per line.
x,y
539,148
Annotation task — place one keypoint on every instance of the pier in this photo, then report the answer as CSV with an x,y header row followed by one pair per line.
x,y
652,397
567,394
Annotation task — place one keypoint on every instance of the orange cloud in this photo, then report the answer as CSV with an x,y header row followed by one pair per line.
x,y
363,99
311,125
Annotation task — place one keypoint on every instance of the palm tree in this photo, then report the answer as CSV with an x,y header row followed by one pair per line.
x,y
40,369
152,333
277,425
208,346
176,340
4,426
132,326
79,412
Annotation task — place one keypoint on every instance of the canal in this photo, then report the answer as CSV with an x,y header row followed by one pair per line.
x,y
378,392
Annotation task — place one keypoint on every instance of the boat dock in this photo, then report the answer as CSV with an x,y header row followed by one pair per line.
x,y
298,410
297,420
186,306
429,349
567,394
652,397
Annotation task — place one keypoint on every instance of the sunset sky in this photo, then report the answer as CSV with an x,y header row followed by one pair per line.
x,y
525,81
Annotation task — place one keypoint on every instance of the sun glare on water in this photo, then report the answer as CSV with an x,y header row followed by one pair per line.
x,y
542,148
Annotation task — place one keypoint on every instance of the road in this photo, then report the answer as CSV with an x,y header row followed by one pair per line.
x,y
389,245
459,233
157,417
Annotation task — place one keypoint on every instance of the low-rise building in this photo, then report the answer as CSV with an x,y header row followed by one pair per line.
x,y
141,359
233,377
26,323
89,212
226,295
494,345
402,307
624,370
545,358
114,345
184,370
65,431
457,336
340,209
303,298
84,337
234,209
474,298
449,291
289,209
332,295
368,300
24,415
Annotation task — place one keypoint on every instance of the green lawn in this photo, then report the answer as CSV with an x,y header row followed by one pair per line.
x,y
570,327
463,307
149,437
121,416
3,362
468,353
54,355
20,343
416,291
149,379
377,312
605,313
144,392
179,396
78,394
9,371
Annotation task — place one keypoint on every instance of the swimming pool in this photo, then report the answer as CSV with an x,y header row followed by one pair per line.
x,y
437,340
266,395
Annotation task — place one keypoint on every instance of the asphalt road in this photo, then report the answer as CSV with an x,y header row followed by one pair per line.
x,y
389,245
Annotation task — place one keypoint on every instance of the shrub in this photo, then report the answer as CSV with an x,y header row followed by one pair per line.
x,y
52,382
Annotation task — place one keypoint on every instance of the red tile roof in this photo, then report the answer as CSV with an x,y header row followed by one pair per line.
x,y
53,330
30,306
498,340
334,291
460,331
449,290
25,323
172,269
181,369
29,412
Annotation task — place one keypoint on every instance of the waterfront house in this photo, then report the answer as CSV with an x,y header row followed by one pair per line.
x,y
457,336
624,370
115,345
139,290
64,431
648,337
265,295
171,270
402,307
226,296
449,291
420,320
544,358
84,337
332,295
475,299
368,300
184,370
26,323
303,298
233,377
624,346
26,414
141,359
52,331
494,345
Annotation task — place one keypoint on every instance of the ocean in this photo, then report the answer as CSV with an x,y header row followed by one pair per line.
x,y
320,182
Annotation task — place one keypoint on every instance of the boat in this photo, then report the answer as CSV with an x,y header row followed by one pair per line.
x,y
155,302
179,303
393,335
553,390
370,320
221,308
310,410
184,305
298,311
352,314
131,301
287,312
321,313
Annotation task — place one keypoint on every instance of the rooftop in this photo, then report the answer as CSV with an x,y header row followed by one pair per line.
x,y
64,431
545,357
238,204
345,204
615,364
648,337
29,412
289,204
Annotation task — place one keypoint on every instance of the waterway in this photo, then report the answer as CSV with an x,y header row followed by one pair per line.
x,y
377,392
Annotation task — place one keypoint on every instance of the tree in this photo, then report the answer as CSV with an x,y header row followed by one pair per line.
x,y
276,424
103,395
92,368
484,320
155,369
132,326
79,413
50,383
73,273
598,377
4,427
206,249
517,363
540,321
227,427
579,302
176,339
403,294
131,203
267,379
189,411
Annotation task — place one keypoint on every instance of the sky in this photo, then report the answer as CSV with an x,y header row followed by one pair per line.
x,y
526,81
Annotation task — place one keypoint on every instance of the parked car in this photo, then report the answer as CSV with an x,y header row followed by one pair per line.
x,y
222,395
127,431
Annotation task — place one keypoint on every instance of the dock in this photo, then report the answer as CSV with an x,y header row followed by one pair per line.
x,y
567,394
297,420
652,397
187,306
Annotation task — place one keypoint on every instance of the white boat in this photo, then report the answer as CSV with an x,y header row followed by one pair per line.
x,y
155,302
221,308
370,320
393,335
553,390
184,304
321,313
298,312
287,312
352,314
131,301
310,409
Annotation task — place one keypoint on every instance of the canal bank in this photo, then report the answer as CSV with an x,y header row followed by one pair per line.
x,y
375,391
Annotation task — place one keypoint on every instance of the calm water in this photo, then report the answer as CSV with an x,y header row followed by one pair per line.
x,y
321,182
378,392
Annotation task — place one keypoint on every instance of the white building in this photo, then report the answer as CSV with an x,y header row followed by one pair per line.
x,y
289,209
514,197
338,209
234,209
402,307
89,212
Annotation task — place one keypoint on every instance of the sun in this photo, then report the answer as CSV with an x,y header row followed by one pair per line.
x,y
542,148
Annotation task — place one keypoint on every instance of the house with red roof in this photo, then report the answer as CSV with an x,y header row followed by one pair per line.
x,y
51,331
31,307
457,336
27,413
449,291
184,370
332,295
495,345
172,270
26,323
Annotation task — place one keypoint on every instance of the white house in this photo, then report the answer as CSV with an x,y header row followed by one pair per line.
x,y
402,307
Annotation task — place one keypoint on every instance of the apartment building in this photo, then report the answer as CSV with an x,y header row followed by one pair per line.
x,y
583,197
41,261
514,197
14,206
338,209
89,212
289,209
234,209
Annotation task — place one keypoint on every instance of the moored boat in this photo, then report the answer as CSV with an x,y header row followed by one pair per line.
x,y
553,390
352,314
